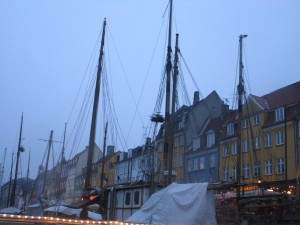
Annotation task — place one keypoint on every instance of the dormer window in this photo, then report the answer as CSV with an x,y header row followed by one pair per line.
x,y
196,143
230,129
279,114
256,120
210,139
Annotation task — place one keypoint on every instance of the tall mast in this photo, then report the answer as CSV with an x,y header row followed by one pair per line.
x,y
20,149
2,171
63,147
174,96
10,179
241,91
47,162
103,156
168,88
87,183
94,115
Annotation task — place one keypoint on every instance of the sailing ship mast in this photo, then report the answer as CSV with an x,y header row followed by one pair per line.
x,y
10,179
103,156
241,92
47,162
167,152
87,184
20,149
172,123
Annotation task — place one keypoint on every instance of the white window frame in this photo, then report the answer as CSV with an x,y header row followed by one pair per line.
x,y
234,148
212,159
225,150
268,167
246,171
196,143
256,169
202,163
279,137
245,146
280,167
279,114
256,120
210,139
196,164
225,174
268,140
245,123
190,165
233,173
125,198
256,143
230,129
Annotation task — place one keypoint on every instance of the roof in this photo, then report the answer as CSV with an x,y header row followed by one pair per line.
x,y
284,96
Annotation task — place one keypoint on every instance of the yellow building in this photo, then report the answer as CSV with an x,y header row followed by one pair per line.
x,y
269,136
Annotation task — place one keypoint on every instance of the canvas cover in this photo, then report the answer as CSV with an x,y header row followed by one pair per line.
x,y
71,211
188,204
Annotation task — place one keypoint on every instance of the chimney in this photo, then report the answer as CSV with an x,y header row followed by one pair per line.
x,y
196,97
110,150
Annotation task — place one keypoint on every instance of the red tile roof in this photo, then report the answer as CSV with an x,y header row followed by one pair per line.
x,y
284,96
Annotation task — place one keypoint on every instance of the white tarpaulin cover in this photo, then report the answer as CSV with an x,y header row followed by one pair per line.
x,y
180,204
11,210
69,211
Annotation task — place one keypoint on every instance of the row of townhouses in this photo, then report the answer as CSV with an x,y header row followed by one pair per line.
x,y
205,149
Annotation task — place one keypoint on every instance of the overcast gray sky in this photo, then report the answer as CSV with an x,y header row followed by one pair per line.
x,y
46,47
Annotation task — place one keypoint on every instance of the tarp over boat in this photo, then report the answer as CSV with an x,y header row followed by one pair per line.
x,y
11,210
72,212
188,204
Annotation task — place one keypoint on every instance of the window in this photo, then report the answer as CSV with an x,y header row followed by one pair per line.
x,y
160,147
181,140
225,174
268,140
268,167
279,114
196,143
225,149
190,164
127,198
256,143
245,145
180,124
234,148
255,120
137,198
196,164
213,161
246,173
245,123
279,138
256,169
202,163
233,173
210,139
230,129
176,143
280,166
